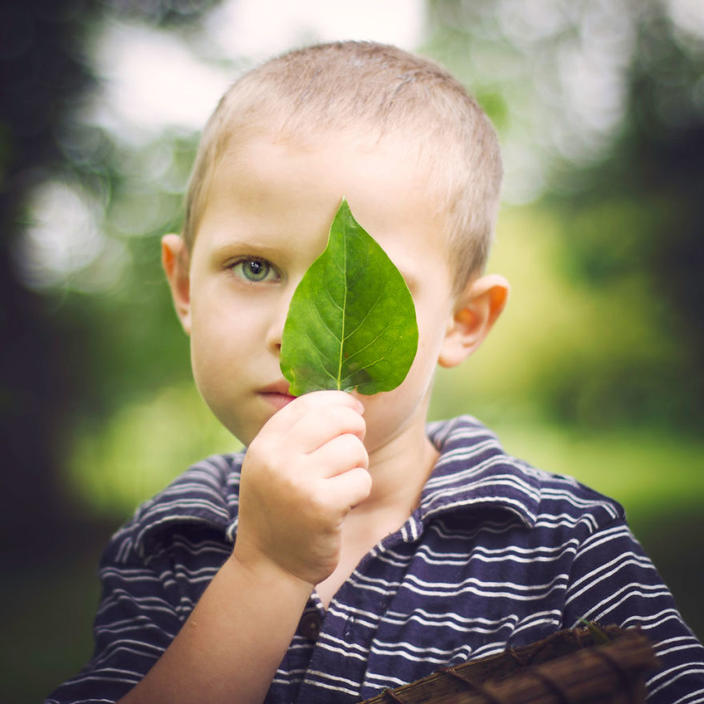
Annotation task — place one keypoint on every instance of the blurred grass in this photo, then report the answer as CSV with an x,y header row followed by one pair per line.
x,y
146,444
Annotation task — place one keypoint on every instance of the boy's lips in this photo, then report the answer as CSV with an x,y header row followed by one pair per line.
x,y
277,394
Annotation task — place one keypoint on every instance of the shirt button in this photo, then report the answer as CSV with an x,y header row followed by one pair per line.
x,y
309,626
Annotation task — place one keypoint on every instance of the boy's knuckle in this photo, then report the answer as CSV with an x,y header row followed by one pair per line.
x,y
355,455
356,451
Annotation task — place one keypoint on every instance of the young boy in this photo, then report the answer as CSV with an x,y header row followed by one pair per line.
x,y
351,548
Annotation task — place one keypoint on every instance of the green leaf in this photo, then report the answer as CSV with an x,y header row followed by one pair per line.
x,y
351,323
597,633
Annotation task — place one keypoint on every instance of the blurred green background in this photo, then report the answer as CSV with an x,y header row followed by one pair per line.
x,y
595,369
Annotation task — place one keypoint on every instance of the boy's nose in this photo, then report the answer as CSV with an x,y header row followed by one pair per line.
x,y
276,330
276,326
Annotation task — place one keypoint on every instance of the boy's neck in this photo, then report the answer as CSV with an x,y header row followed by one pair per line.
x,y
399,470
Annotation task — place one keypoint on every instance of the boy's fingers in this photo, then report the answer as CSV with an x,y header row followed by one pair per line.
x,y
303,406
323,399
313,419
341,454
342,397
319,427
349,488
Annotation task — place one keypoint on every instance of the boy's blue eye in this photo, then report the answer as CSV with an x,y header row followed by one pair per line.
x,y
254,269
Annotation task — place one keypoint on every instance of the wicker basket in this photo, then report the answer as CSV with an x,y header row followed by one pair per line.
x,y
590,665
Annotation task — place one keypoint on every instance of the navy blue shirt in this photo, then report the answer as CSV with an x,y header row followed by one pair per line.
x,y
498,553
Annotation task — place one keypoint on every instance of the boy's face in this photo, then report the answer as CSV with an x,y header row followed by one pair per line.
x,y
266,218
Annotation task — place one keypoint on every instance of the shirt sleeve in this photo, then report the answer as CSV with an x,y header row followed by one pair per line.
x,y
614,582
137,619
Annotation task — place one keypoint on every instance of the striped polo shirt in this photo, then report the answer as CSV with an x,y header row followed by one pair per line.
x,y
497,553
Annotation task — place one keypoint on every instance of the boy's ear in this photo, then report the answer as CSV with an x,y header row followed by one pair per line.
x,y
476,311
175,260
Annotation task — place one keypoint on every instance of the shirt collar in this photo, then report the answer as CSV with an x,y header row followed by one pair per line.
x,y
472,473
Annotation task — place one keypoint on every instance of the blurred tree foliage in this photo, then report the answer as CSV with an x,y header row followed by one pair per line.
x,y
41,74
628,207
639,214
69,357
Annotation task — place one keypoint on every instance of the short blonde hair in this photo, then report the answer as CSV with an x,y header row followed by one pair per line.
x,y
383,90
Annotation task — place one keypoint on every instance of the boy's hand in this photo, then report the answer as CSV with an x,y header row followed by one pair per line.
x,y
301,475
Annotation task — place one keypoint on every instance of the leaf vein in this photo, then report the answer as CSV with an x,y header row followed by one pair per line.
x,y
325,324
332,300
344,316
364,347
364,319
365,368
321,359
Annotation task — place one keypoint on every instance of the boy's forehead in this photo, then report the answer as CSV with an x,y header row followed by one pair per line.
x,y
384,179
340,156
343,162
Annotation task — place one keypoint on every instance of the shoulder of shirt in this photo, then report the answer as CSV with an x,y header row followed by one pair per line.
x,y
474,472
205,496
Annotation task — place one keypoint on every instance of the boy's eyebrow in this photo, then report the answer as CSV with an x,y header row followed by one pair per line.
x,y
235,246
